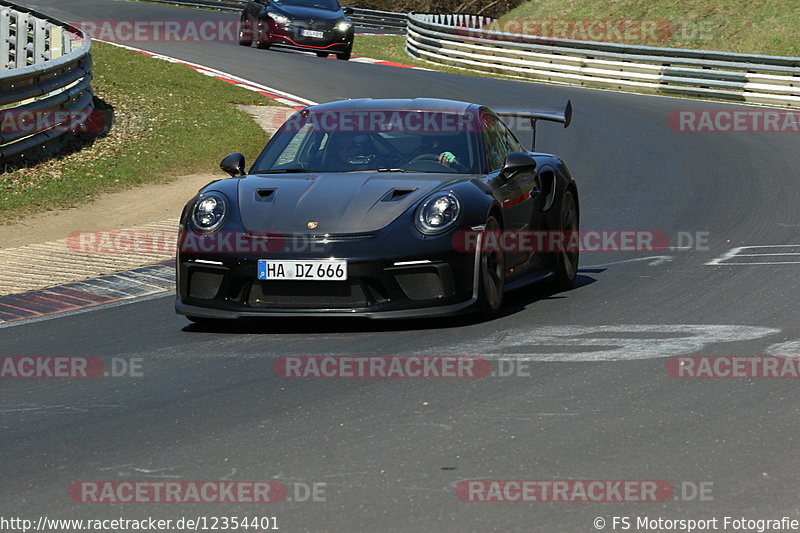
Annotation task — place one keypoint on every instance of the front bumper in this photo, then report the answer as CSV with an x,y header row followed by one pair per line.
x,y
434,281
207,312
333,40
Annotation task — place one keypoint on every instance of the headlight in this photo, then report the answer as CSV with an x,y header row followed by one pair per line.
x,y
209,212
438,213
343,26
280,19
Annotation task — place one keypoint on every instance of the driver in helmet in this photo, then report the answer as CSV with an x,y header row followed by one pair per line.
x,y
352,152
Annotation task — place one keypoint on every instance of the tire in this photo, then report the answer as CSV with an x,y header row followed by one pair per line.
x,y
323,54
566,270
492,275
344,56
262,43
245,36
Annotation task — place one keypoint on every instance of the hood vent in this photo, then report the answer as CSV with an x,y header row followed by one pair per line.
x,y
265,195
396,194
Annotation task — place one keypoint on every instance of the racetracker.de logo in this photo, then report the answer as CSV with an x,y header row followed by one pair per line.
x,y
564,491
734,121
603,30
532,241
381,367
733,367
389,121
15,123
160,31
159,242
384,121
50,367
214,492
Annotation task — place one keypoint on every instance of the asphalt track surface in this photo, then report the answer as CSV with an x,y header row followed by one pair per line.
x,y
391,451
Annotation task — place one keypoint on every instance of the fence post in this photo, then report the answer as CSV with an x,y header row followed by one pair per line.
x,y
39,41
5,38
56,42
21,41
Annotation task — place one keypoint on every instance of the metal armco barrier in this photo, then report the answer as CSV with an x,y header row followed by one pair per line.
x,y
46,71
362,18
380,20
459,41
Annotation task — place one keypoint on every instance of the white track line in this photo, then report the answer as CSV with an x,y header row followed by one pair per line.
x,y
210,71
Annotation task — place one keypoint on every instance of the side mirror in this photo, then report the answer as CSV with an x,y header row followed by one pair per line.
x,y
233,164
518,162
348,10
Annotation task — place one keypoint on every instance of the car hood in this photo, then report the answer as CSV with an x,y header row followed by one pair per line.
x,y
303,12
339,203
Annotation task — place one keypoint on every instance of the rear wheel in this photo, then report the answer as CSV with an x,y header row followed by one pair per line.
x,y
343,56
567,261
322,54
492,274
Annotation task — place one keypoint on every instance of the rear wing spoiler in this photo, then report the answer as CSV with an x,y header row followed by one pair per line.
x,y
564,117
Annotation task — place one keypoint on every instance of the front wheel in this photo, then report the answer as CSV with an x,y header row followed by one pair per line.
x,y
566,270
245,34
344,56
322,54
262,42
491,272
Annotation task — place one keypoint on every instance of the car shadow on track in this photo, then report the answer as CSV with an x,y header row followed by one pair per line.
x,y
514,302
518,300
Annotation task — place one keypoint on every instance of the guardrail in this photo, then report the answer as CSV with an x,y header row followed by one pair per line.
x,y
460,41
379,20
45,80
362,18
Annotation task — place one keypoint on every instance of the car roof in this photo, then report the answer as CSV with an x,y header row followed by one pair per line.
x,y
395,104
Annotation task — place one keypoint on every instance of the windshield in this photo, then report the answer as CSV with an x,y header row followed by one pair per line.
x,y
372,141
333,5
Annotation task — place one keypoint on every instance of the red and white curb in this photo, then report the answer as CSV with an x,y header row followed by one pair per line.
x,y
371,61
152,281
270,92
277,95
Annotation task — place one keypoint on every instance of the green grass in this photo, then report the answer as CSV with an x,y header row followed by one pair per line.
x,y
169,121
386,48
767,27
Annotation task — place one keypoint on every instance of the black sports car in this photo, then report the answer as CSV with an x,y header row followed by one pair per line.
x,y
378,208
319,26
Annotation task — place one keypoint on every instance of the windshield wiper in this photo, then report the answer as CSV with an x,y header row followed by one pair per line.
x,y
392,170
283,170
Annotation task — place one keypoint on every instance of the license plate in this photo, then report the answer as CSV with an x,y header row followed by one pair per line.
x,y
312,270
312,33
